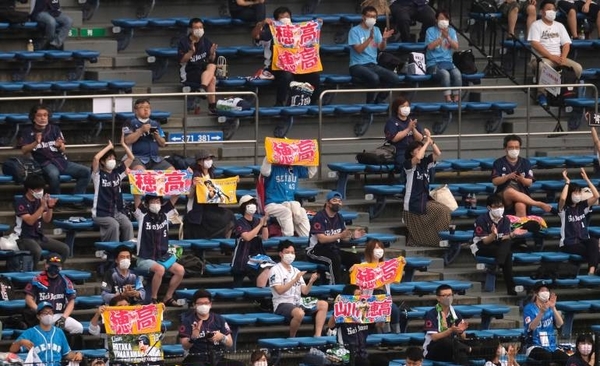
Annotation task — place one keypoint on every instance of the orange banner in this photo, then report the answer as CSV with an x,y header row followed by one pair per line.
x,y
296,47
292,152
375,275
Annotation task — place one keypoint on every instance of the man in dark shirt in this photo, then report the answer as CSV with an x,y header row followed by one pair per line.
x,y
30,209
248,10
204,334
56,23
46,144
404,12
121,281
197,56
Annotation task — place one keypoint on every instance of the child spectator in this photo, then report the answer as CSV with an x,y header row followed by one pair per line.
x,y
121,281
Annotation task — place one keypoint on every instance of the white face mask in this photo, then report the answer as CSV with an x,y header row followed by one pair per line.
x,y
154,207
513,154
576,198
497,212
110,164
585,349
550,15
143,120
501,351
378,253
38,195
261,363
370,22
47,319
202,309
544,296
286,21
404,111
288,258
447,301
443,24
198,33
124,263
207,164
251,209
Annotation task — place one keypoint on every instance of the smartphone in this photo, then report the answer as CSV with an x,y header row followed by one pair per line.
x,y
210,334
153,130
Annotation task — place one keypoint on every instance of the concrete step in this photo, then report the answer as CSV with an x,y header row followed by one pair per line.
x,y
129,61
139,76
106,47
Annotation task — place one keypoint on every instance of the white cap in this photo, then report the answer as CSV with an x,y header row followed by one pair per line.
x,y
245,198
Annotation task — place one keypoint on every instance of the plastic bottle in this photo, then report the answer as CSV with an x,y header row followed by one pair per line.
x,y
354,249
586,28
582,31
30,47
521,36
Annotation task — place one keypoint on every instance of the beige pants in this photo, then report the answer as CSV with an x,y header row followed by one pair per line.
x,y
569,63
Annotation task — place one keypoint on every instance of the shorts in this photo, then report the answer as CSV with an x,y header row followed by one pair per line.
x,y
194,76
506,8
151,165
567,6
145,265
285,309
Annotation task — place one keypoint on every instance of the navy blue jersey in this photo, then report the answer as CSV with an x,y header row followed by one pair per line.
x,y
395,125
50,6
503,167
321,223
114,283
574,223
46,151
576,360
203,344
51,345
356,335
197,63
433,323
58,291
244,249
153,232
281,185
24,206
417,185
145,148
483,227
108,198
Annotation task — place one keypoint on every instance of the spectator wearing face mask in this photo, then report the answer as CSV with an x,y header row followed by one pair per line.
x,y
153,247
30,209
327,231
250,231
541,318
401,129
96,327
107,210
58,290
574,213
46,144
493,238
584,352
122,281
288,286
204,334
204,220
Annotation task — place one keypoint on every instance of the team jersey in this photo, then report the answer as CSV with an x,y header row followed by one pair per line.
x,y
542,336
58,291
434,325
574,223
483,227
356,335
198,61
108,198
153,232
46,151
503,167
244,249
145,148
551,37
279,275
417,184
23,206
114,283
283,182
395,125
201,346
321,223
51,345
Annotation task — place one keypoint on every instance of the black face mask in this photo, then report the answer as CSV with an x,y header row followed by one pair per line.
x,y
335,207
53,271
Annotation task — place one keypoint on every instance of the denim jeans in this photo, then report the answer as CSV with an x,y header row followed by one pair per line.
x,y
374,76
79,172
446,78
56,28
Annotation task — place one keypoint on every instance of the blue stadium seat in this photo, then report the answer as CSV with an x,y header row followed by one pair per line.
x,y
569,309
344,170
381,193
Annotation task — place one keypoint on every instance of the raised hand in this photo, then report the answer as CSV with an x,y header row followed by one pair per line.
x,y
584,174
565,176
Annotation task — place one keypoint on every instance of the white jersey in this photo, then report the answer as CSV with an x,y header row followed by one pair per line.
x,y
279,275
552,37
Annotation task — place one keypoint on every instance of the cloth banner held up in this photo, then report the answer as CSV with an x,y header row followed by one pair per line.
x,y
292,152
160,182
296,47
375,275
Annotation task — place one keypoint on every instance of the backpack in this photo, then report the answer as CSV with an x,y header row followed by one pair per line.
x,y
553,271
483,6
6,289
180,162
192,264
389,61
383,155
567,76
300,93
19,167
233,104
465,61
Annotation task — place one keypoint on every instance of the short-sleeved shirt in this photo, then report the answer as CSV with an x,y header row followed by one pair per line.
x,y
543,335
433,325
503,167
244,249
417,185
46,151
153,232
483,227
357,35
279,275
197,63
551,37
395,125
23,206
574,223
108,198
576,360
51,345
114,283
355,335
145,148
281,185
322,223
58,291
202,345
442,53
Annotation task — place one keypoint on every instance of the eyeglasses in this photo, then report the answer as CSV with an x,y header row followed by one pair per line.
x,y
445,295
55,259
203,303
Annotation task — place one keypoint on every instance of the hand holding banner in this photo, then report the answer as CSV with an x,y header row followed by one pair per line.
x,y
221,190
292,152
296,47
374,275
160,182
363,309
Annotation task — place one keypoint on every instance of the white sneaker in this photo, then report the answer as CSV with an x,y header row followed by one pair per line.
x,y
266,75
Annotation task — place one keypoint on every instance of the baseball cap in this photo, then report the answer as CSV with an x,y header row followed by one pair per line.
x,y
54,258
538,285
245,198
333,194
204,154
44,304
